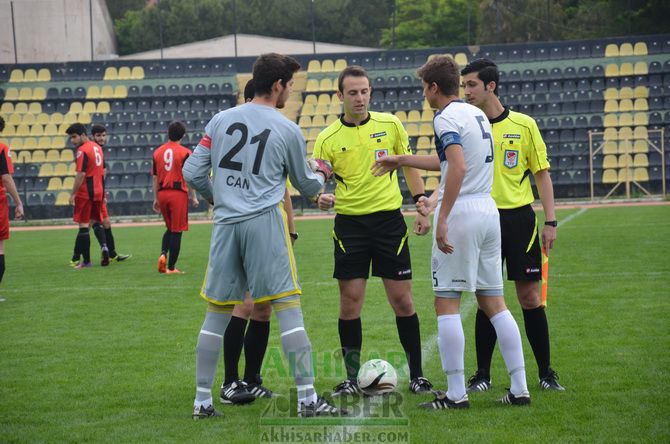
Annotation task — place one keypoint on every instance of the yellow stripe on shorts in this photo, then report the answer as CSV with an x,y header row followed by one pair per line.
x,y
402,242
281,306
338,241
532,239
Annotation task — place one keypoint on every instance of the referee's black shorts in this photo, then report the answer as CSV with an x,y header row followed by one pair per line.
x,y
521,244
380,238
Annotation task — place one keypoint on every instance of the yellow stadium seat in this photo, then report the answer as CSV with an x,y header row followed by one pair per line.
x,y
312,85
641,105
30,75
44,75
50,129
625,105
340,64
626,50
7,108
625,147
111,73
321,110
66,156
26,94
461,59
640,132
70,118
626,69
106,92
327,65
334,108
29,143
313,133
625,175
641,92
15,119
16,76
640,69
626,119
319,121
27,118
610,147
93,92
23,157
611,94
324,99
39,93
423,143
62,128
610,161
37,130
35,108
68,182
310,147
412,129
610,176
307,110
427,115
89,107
612,70
414,116
124,73
432,183
16,143
120,92
426,129
39,156
610,120
61,169
103,107
53,156
305,122
84,118
12,94
330,118
611,50
55,184
62,198
44,143
137,73
626,93
22,130
640,49
640,160
641,175
326,85
72,169
310,99
10,130
640,146
625,133
313,66
401,115
611,106
58,142
21,108
640,118
75,108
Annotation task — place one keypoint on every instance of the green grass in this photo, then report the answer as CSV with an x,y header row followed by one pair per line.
x,y
108,355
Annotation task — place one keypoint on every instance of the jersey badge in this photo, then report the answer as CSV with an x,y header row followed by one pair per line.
x,y
511,158
381,153
375,135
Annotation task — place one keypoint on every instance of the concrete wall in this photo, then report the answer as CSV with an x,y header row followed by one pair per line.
x,y
55,31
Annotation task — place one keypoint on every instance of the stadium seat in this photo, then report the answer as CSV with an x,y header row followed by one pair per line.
x,y
124,73
641,175
626,49
611,50
43,75
16,76
640,49
610,176
111,73
626,69
612,70
313,66
137,73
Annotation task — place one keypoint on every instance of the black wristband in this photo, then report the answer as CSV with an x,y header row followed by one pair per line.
x,y
294,236
551,223
416,197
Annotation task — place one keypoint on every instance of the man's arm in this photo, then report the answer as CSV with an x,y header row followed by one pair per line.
x,y
288,208
546,190
196,172
390,163
452,186
78,180
154,183
10,186
194,197
415,184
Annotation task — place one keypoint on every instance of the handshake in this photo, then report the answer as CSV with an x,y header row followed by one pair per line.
x,y
321,166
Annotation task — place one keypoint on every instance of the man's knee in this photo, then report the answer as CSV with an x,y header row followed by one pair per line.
x,y
528,293
261,312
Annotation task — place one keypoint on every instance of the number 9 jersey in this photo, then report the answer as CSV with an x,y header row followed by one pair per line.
x,y
168,161
90,161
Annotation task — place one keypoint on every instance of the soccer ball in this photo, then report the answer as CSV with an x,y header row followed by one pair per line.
x,y
377,377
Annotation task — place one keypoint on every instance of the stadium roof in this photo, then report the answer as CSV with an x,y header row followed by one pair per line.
x,y
247,45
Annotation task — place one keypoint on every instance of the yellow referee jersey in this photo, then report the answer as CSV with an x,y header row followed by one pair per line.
x,y
352,150
519,151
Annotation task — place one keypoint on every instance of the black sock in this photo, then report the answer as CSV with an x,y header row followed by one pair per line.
x,y
165,245
175,246
2,266
351,340
76,254
83,244
410,338
99,232
232,347
255,344
485,342
110,242
537,332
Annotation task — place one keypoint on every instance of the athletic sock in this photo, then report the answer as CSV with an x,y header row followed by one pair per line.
x,y
76,253
485,342
410,338
175,246
165,244
510,347
232,348
351,340
83,244
537,332
110,242
99,232
207,353
255,344
2,266
451,341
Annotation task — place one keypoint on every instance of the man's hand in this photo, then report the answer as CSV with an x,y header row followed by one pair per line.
x,y
326,201
322,167
421,225
425,206
18,212
548,237
71,200
195,202
441,237
156,207
384,165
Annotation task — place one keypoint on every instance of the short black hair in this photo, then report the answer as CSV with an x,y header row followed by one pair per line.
x,y
486,69
443,71
176,130
2,124
351,71
97,129
249,90
268,68
76,128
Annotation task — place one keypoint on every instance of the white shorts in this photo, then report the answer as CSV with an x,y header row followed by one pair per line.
x,y
473,228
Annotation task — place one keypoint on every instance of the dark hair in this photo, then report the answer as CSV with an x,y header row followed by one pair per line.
x,y
2,124
249,90
97,129
176,131
487,71
268,68
443,71
351,71
76,128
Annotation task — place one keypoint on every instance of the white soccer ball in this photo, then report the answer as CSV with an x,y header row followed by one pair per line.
x,y
377,377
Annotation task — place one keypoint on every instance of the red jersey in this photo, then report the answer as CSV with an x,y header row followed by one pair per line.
x,y
167,165
6,166
91,162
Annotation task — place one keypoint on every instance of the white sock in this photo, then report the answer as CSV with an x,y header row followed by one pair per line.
x,y
452,348
206,403
510,347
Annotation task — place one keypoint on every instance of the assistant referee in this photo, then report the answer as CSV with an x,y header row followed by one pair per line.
x,y
369,226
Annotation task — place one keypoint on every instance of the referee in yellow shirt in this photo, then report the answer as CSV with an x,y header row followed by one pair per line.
x,y
369,227
519,152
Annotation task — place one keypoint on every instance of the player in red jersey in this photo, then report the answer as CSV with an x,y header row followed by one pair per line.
x,y
7,183
171,195
88,192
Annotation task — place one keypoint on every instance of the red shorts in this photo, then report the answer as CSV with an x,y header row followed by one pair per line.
x,y
87,210
103,211
4,217
174,207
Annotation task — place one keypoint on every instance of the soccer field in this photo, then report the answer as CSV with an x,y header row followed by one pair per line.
x,y
108,354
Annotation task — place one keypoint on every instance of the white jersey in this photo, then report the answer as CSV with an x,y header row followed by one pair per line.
x,y
462,124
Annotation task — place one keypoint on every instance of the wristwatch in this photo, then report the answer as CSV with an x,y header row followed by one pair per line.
x,y
551,223
294,236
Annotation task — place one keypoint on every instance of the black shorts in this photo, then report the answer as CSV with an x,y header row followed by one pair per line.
x,y
521,244
380,238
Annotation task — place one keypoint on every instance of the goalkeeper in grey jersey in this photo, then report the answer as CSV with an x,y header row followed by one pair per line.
x,y
250,150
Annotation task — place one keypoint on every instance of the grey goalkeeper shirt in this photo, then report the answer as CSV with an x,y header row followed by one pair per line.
x,y
250,150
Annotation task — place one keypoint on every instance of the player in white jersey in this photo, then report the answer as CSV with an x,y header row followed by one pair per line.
x,y
466,248
251,149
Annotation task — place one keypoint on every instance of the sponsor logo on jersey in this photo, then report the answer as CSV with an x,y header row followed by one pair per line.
x,y
381,153
462,281
511,158
375,135
511,136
